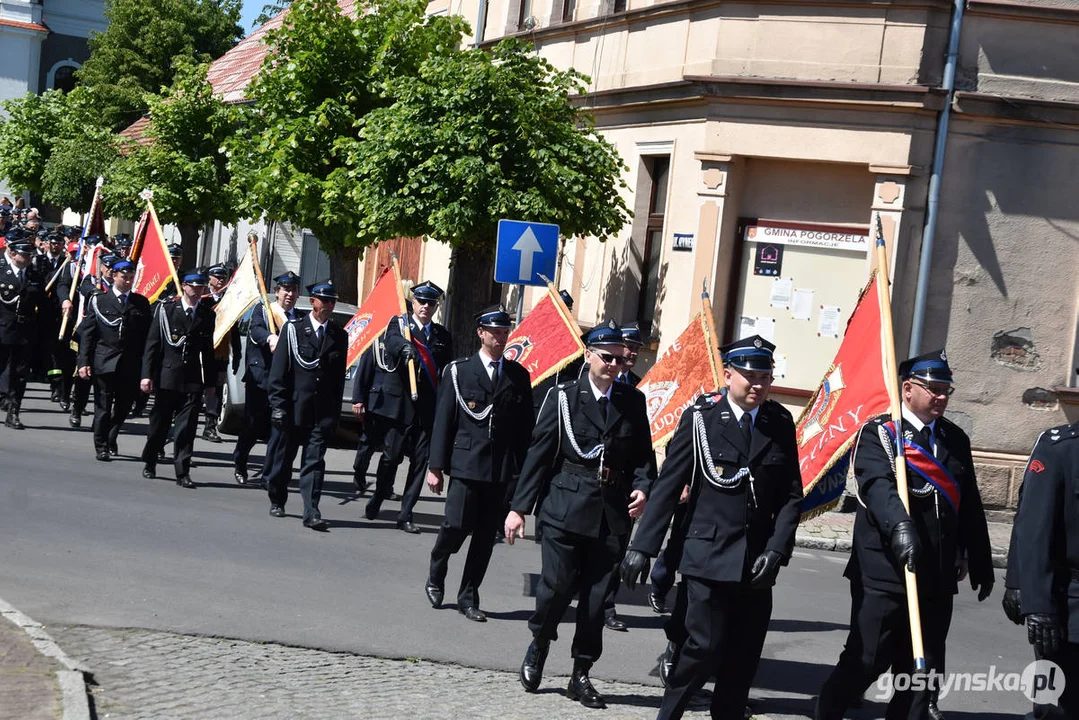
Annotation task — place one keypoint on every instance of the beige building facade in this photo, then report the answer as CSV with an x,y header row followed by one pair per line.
x,y
763,140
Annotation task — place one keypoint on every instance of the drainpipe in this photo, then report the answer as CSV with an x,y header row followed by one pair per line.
x,y
481,23
933,207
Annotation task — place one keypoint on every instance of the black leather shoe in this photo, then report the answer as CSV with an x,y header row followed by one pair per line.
x,y
580,689
370,511
114,449
658,603
394,497
55,396
149,471
277,511
409,527
666,663
12,420
103,456
613,623
473,613
435,593
240,476
316,523
65,406
161,454
532,667
210,433
361,484
934,711
184,481
75,420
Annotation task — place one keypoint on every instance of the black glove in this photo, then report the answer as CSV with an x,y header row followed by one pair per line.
x,y
984,587
905,544
632,566
1045,633
277,419
408,352
1012,605
765,569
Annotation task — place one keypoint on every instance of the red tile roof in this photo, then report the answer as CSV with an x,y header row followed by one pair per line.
x,y
24,25
137,131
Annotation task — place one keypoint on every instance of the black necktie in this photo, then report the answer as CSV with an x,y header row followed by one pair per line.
x,y
494,372
123,300
603,401
190,313
318,335
746,425
427,335
924,437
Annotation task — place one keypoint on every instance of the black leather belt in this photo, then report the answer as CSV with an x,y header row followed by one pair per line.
x,y
605,476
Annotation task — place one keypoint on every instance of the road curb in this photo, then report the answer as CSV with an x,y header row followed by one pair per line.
x,y
72,680
812,542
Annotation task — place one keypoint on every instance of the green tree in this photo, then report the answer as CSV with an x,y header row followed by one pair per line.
x,y
183,160
325,72
137,53
474,137
269,12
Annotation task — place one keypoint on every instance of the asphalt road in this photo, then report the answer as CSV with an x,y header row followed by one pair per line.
x,y
95,544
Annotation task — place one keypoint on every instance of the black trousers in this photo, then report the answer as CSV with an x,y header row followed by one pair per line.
x,y
186,407
473,508
365,450
879,638
399,441
14,370
114,396
256,424
1067,706
725,625
62,366
80,393
666,565
575,565
280,454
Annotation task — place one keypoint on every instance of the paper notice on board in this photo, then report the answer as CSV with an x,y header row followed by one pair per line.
x,y
828,325
780,370
802,304
748,327
766,328
780,297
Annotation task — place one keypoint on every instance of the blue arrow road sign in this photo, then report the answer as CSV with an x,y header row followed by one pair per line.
x,y
526,250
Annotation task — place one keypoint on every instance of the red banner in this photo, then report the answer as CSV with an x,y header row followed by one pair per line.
x,y
688,369
373,315
547,340
851,392
151,256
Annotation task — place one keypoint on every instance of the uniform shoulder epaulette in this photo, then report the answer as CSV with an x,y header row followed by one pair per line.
x,y
708,401
1062,432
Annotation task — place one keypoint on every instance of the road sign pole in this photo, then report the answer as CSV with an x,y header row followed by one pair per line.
x,y
520,302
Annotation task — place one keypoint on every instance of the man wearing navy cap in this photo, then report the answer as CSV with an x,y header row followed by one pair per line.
x,y
307,378
177,366
737,452
403,425
218,276
592,449
481,429
943,538
112,336
261,344
168,293
79,388
22,291
55,356
123,244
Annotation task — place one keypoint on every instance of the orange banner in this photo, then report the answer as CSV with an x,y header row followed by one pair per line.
x,y
373,315
547,340
150,253
688,369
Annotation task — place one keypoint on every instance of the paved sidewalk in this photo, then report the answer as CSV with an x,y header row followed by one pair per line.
x,y
833,530
29,689
150,674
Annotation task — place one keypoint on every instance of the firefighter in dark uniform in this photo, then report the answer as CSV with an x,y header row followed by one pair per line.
x,y
480,435
1047,531
177,366
368,443
112,337
169,292
123,244
593,449
22,292
261,344
78,393
737,451
51,264
942,539
403,426
307,379
218,278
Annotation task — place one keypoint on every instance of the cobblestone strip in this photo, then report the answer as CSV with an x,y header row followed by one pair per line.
x,y
149,674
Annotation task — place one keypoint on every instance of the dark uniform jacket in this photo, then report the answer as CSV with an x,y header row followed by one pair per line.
x,y
390,393
179,352
258,356
49,267
488,450
1047,528
309,396
726,529
632,379
942,533
576,500
112,336
19,301
364,377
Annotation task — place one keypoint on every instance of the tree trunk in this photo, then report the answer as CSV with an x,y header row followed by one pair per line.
x,y
189,241
344,271
472,288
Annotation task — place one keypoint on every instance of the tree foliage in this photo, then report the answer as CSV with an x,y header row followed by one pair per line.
x,y
136,53
269,12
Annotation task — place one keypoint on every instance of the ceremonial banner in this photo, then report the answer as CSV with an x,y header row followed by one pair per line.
x,y
372,317
688,369
94,225
547,340
242,292
150,253
851,392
